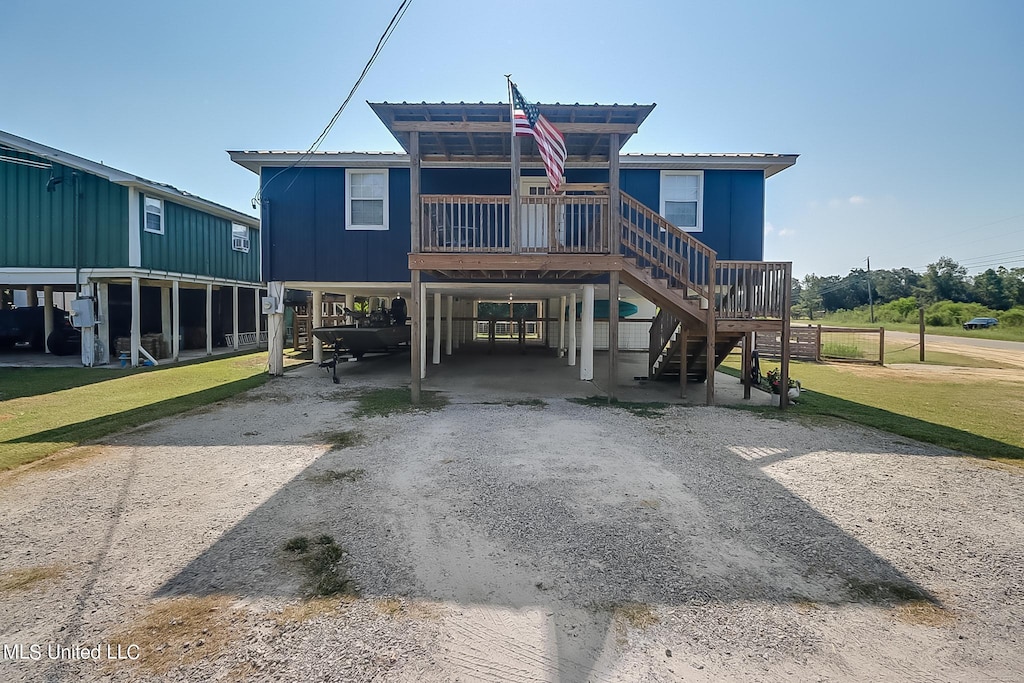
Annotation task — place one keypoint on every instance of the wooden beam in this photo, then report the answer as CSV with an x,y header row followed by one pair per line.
x,y
416,303
613,333
414,191
611,227
569,263
749,325
787,289
515,201
504,127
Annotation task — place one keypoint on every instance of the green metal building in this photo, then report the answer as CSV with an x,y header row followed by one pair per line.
x,y
145,256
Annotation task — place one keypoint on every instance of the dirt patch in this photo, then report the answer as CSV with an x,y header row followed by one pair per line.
x,y
180,632
27,578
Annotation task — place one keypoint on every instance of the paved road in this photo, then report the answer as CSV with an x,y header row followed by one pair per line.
x,y
961,341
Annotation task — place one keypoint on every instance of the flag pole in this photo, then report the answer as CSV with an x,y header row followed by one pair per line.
x,y
514,204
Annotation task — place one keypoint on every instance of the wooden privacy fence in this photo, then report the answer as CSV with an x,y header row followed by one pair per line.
x,y
854,344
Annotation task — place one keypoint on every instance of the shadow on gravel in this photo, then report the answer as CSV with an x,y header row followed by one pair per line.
x,y
571,512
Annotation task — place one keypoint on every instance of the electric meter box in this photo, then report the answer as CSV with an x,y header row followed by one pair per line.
x,y
82,314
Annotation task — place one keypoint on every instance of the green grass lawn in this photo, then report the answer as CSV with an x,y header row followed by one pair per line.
x,y
977,416
45,410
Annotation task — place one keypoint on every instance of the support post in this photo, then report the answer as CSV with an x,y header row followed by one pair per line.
x,y
572,329
234,317
103,322
561,326
881,346
437,328
209,320
415,310
165,316
32,297
787,290
614,222
748,344
257,313
459,305
414,191
136,334
449,311
423,329
47,315
317,315
89,331
275,330
920,326
712,329
587,332
613,331
175,320
682,361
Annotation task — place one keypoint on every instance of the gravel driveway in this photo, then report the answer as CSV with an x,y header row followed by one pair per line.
x,y
497,542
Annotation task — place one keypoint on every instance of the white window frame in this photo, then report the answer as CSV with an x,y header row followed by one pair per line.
x,y
243,246
700,198
146,199
349,172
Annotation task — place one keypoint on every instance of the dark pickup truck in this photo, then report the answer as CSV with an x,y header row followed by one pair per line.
x,y
25,327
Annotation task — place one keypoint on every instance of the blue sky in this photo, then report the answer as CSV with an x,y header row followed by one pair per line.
x,y
908,115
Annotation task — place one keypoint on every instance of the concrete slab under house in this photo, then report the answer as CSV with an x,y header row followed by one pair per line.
x,y
146,271
488,246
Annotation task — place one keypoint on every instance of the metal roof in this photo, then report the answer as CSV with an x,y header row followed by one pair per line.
x,y
56,156
769,163
586,128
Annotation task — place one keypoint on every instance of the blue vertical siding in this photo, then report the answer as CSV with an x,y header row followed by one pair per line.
x,y
305,231
733,208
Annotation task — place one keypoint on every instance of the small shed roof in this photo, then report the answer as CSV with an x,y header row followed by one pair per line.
x,y
464,131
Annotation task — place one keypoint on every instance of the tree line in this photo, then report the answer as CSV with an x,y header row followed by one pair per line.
x,y
899,292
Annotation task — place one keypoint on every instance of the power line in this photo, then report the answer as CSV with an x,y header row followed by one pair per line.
x,y
384,38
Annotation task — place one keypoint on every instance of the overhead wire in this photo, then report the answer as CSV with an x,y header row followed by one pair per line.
x,y
381,42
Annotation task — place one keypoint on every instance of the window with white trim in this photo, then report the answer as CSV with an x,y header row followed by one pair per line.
x,y
682,199
240,237
154,215
366,199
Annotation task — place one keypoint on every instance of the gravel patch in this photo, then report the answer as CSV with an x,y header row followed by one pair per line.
x,y
497,542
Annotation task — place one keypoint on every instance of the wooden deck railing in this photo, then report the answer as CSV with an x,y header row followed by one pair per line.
x,y
550,224
751,289
666,250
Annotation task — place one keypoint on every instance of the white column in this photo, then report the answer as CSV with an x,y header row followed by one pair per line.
x,y
458,323
103,322
275,330
561,326
175,321
136,322
587,331
449,311
209,320
165,316
89,332
437,328
318,318
47,315
423,330
572,329
234,316
256,311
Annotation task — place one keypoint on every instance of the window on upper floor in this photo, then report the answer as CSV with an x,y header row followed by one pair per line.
x,y
154,215
366,199
240,237
682,198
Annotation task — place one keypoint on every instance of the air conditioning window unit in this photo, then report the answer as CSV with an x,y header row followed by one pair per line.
x,y
240,243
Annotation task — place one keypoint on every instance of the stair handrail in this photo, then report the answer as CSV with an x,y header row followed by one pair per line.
x,y
665,249
663,327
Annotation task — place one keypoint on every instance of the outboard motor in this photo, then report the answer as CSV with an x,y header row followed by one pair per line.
x,y
399,313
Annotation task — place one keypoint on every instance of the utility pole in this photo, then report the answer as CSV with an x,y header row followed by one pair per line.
x,y
871,302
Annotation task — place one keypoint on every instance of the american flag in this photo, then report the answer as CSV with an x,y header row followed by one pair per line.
x,y
527,120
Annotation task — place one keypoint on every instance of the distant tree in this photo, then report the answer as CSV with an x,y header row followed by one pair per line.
x,y
898,283
944,280
1013,285
988,288
810,295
